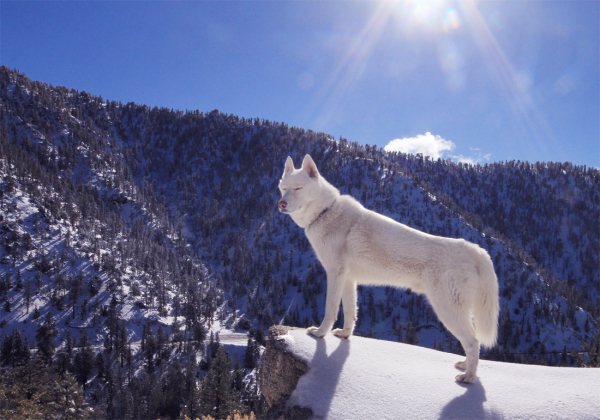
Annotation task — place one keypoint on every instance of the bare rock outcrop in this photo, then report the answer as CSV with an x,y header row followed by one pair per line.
x,y
279,374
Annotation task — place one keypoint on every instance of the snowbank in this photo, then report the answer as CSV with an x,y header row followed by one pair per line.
x,y
363,378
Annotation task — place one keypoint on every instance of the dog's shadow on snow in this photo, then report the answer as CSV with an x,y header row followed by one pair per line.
x,y
328,367
469,405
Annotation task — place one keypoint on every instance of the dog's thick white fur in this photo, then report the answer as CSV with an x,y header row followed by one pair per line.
x,y
359,246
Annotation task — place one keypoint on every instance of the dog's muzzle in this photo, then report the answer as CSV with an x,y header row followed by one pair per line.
x,y
282,205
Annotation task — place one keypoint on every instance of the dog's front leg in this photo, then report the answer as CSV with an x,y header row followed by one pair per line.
x,y
335,286
349,304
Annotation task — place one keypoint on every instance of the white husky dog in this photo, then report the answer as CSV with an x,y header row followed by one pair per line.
x,y
359,246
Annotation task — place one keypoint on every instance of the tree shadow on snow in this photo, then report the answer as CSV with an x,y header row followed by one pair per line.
x,y
328,368
470,404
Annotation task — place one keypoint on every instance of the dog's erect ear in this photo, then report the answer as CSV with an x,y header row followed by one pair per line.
x,y
310,166
289,166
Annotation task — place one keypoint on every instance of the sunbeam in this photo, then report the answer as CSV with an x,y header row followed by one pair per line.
x,y
349,71
512,86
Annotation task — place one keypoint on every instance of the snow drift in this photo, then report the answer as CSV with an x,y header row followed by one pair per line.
x,y
364,378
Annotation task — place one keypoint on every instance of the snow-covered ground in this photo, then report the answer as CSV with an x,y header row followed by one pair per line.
x,y
363,378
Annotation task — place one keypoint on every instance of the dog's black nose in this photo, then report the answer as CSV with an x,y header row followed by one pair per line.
x,y
282,205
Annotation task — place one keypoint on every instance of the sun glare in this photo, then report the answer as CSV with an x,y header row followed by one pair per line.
x,y
433,16
407,18
428,14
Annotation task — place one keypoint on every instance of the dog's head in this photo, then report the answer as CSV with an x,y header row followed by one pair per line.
x,y
298,186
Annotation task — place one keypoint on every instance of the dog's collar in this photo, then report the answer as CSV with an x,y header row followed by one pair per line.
x,y
317,218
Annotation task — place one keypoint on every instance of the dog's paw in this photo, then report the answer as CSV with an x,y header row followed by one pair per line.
x,y
461,365
314,331
464,378
341,333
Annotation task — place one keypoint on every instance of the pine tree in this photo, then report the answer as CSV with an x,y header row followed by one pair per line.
x,y
238,377
192,403
84,360
19,286
100,365
28,293
150,349
64,359
46,333
593,348
213,344
199,335
75,287
38,281
5,350
112,323
217,398
175,390
25,353
14,350
249,360
7,283
259,337
161,340
64,363
69,400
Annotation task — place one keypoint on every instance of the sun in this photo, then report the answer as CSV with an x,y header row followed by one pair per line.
x,y
389,19
430,16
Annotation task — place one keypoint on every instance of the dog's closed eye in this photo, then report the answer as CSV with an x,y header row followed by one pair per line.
x,y
299,188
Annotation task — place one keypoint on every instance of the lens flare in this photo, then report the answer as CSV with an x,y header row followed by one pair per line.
x,y
451,20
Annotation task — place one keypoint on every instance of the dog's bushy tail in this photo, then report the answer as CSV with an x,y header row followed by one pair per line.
x,y
487,306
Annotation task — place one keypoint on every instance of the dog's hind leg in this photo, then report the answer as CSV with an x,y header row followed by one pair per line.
x,y
457,320
469,365
335,287
349,304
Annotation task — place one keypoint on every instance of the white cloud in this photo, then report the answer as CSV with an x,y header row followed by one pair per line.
x,y
464,159
565,85
472,160
435,147
427,144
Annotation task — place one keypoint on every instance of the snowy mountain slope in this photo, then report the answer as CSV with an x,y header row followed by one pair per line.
x,y
259,253
87,246
198,235
362,378
66,193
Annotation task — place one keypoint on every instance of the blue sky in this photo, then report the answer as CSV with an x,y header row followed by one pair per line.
x,y
472,81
